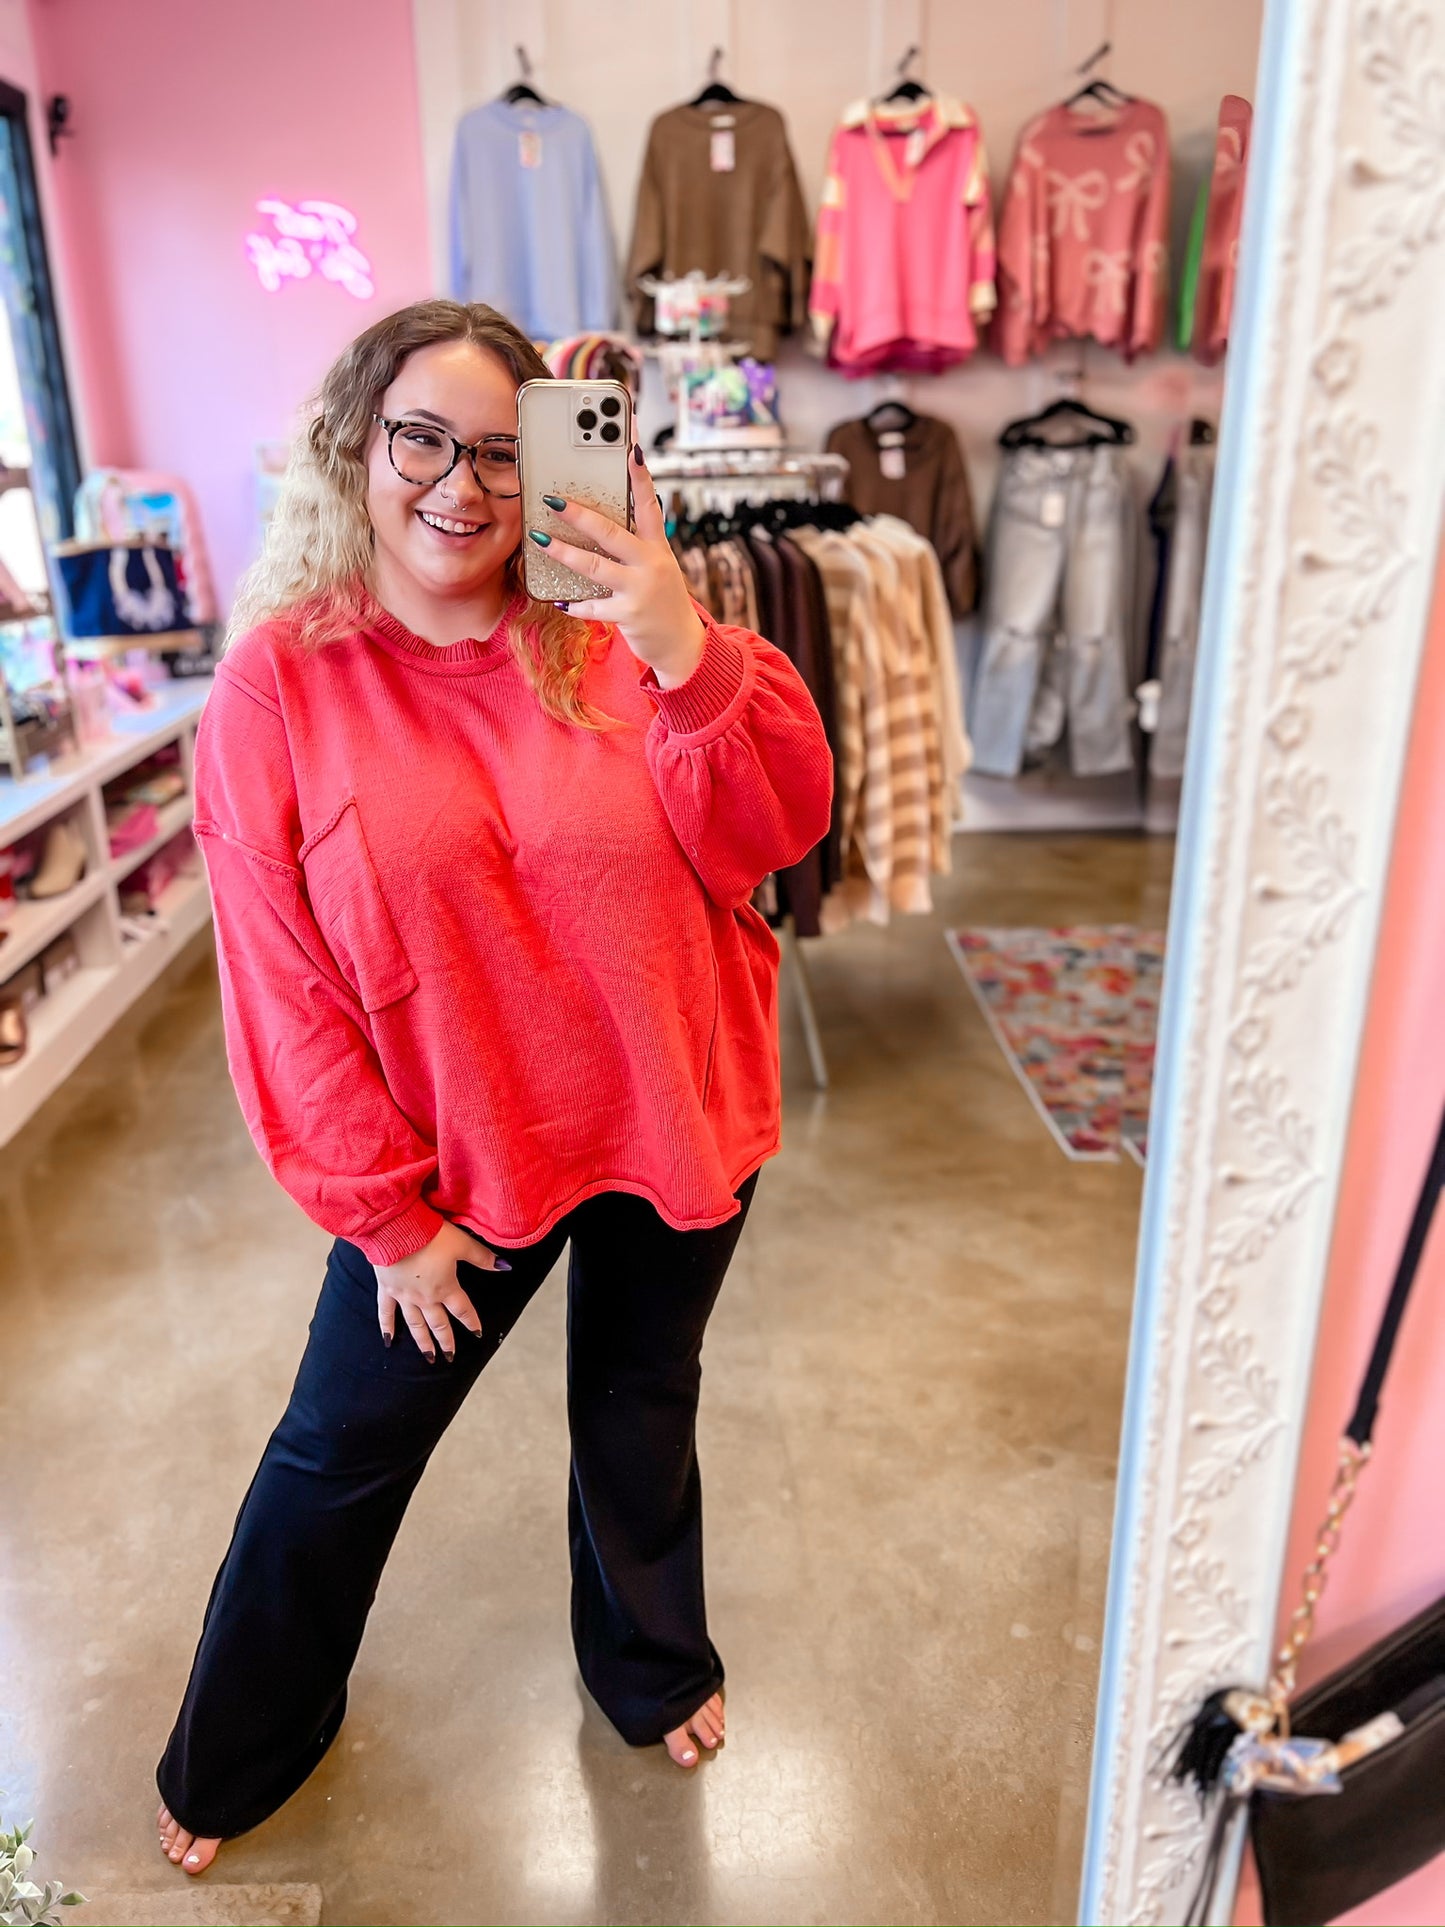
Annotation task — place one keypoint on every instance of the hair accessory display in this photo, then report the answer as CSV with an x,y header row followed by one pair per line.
x,y
694,305
731,402
597,356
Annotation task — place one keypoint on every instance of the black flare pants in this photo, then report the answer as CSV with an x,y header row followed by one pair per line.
x,y
267,1691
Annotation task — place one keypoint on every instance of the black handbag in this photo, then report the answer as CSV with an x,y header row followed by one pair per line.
x,y
1345,1784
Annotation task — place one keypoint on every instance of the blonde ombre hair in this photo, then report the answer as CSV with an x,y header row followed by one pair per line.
x,y
315,566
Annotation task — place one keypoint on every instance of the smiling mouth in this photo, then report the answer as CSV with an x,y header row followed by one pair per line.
x,y
451,525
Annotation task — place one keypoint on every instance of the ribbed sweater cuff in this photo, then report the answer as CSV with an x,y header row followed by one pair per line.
x,y
708,691
388,1244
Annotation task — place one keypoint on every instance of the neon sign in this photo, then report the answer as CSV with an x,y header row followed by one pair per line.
x,y
313,237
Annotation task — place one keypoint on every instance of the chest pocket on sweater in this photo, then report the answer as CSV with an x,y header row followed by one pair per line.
x,y
348,905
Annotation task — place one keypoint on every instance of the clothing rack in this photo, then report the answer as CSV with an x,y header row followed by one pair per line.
x,y
746,468
746,465
711,477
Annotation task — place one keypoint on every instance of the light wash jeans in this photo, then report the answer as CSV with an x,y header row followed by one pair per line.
x,y
1194,485
1058,590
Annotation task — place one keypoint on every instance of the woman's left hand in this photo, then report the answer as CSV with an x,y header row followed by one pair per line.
x,y
649,604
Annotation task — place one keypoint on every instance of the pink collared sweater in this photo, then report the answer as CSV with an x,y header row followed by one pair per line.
x,y
479,965
904,263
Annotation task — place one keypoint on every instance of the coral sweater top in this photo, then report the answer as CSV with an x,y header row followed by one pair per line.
x,y
477,964
1083,232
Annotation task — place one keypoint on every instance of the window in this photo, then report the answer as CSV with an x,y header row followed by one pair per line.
x,y
39,462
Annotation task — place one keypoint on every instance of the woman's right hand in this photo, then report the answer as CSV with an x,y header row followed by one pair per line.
x,y
429,1292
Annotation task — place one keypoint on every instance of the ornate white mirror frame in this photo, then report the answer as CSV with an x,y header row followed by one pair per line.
x,y
1326,526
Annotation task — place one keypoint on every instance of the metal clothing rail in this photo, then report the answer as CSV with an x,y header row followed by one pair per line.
x,y
745,465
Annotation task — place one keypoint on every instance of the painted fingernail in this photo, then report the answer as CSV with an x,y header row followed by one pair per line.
x,y
386,1340
637,455
501,1265
430,1357
542,540
555,501
564,605
450,1357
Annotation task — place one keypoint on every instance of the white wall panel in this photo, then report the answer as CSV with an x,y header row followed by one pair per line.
x,y
621,66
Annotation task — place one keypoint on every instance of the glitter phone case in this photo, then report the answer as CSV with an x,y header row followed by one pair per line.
x,y
574,439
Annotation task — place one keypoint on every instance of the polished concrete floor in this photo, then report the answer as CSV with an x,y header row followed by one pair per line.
x,y
911,1401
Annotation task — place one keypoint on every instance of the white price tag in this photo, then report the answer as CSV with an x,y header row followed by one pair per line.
x,y
1052,509
529,148
913,149
723,150
893,464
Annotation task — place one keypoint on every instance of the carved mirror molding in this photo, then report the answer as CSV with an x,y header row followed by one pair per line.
x,y
1327,515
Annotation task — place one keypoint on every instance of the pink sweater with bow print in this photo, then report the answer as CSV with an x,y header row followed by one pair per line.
x,y
1083,234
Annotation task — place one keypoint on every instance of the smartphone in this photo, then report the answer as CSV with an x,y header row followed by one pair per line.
x,y
574,439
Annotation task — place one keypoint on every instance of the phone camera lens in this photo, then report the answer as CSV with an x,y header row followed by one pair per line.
x,y
587,418
610,405
611,432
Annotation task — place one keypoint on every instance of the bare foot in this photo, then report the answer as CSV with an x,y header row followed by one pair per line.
x,y
182,1847
706,1723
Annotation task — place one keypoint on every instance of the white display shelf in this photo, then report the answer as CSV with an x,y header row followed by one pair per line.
x,y
174,817
66,1025
28,801
184,908
34,925
63,1027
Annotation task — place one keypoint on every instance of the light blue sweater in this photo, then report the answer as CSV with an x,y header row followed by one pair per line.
x,y
529,227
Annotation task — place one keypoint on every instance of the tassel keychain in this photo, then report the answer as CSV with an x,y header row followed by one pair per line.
x,y
1240,1740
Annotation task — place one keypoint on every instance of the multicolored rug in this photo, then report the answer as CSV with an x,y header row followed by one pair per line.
x,y
1075,1010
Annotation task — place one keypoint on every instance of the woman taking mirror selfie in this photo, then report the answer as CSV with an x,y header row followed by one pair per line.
x,y
492,983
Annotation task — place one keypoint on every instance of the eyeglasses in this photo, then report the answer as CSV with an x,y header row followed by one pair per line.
x,y
423,454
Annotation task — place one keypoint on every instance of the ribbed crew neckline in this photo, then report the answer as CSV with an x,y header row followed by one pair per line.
x,y
741,112
1088,120
467,657
526,113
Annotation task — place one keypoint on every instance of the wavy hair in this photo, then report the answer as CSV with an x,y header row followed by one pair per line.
x,y
315,566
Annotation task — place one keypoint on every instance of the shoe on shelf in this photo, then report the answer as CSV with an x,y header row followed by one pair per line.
x,y
14,1032
63,864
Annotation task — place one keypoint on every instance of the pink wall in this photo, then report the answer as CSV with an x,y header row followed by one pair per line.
x,y
1392,1559
186,113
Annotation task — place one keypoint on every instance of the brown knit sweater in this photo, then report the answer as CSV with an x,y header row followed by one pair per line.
x,y
747,220
933,496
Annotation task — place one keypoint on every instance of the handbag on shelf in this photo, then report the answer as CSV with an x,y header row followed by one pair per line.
x,y
122,592
1345,1784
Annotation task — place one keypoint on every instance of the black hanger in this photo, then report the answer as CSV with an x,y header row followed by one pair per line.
x,y
788,512
523,90
716,93
890,417
905,86
1104,91
1106,430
